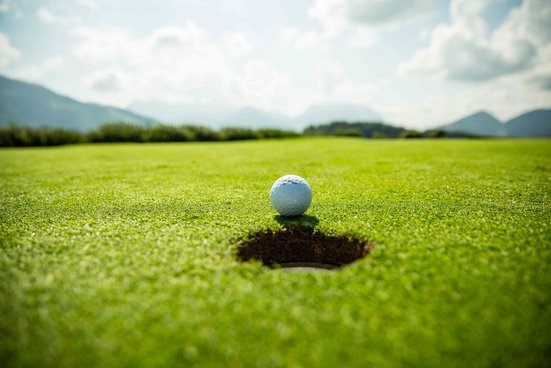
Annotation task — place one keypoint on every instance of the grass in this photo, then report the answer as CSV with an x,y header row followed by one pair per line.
x,y
123,255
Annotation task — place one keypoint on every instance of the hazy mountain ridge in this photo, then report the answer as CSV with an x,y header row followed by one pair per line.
x,y
33,105
249,116
536,123
252,117
184,113
480,123
316,114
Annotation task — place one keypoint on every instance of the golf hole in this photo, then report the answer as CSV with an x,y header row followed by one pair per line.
x,y
299,250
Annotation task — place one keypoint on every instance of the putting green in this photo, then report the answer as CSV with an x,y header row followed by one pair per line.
x,y
124,255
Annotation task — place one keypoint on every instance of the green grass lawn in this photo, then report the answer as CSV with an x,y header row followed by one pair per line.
x,y
124,255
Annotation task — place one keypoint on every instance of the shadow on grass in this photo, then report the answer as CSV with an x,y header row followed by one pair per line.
x,y
306,223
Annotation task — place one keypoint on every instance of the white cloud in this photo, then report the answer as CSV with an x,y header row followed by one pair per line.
x,y
452,55
189,37
335,15
329,75
351,92
45,15
104,44
424,33
31,73
331,14
187,64
258,84
362,37
467,9
5,6
174,64
49,17
356,20
334,86
542,81
238,45
237,8
40,72
465,50
108,80
287,34
168,64
54,63
530,21
540,75
496,97
8,53
377,12
307,40
90,4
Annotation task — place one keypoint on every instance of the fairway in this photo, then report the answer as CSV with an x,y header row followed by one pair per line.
x,y
125,255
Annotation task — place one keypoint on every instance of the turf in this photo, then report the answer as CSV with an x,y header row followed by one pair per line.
x,y
124,255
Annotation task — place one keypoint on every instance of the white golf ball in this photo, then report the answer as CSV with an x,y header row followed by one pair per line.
x,y
291,195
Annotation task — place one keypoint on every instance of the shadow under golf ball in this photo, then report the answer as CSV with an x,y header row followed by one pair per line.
x,y
302,250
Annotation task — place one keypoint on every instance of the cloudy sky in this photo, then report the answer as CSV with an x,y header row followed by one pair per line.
x,y
418,63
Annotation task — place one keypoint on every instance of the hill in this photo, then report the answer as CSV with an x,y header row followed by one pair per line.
x,y
481,123
535,123
225,115
33,105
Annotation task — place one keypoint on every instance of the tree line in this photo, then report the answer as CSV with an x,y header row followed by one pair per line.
x,y
377,130
24,136
15,135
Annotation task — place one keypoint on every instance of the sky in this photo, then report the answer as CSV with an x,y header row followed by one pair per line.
x,y
418,63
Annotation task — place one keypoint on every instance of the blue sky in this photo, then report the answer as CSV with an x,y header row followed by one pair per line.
x,y
418,63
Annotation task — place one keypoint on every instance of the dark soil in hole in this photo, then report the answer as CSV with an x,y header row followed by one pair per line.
x,y
299,248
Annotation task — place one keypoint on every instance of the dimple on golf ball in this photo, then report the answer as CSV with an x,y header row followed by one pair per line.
x,y
291,195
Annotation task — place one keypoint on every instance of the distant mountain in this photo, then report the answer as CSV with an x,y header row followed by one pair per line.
x,y
481,123
327,113
210,115
535,123
221,114
33,105
251,117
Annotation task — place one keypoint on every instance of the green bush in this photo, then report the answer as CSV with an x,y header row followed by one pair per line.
x,y
237,134
379,135
167,133
276,133
118,132
348,132
365,129
201,134
56,137
14,136
410,134
435,133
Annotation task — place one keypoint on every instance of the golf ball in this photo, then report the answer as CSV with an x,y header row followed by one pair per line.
x,y
291,195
